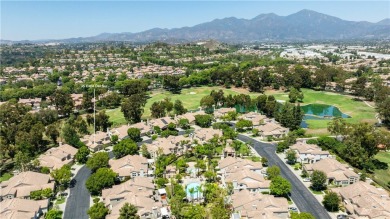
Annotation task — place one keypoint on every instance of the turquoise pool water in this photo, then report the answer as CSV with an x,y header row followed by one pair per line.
x,y
194,195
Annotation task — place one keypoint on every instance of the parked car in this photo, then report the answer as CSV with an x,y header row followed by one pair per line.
x,y
293,209
342,216
306,180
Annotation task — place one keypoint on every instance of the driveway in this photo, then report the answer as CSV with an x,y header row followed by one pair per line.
x,y
302,197
78,201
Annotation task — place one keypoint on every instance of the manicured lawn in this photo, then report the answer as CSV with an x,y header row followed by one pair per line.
x,y
316,192
358,110
60,200
5,177
383,176
190,97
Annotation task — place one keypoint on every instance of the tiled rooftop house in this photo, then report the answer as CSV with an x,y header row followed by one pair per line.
x,y
336,172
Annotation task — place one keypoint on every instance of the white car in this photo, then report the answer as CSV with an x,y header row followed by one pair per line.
x,y
306,180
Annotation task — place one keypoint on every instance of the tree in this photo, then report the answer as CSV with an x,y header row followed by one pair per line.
x,y
264,161
134,134
87,101
171,83
70,135
133,107
144,151
114,139
291,156
318,180
21,160
254,81
184,123
98,211
207,102
168,105
270,106
383,110
193,212
331,202
157,110
62,176
295,95
280,186
178,108
125,147
53,214
242,124
261,101
302,215
82,154
272,172
98,160
102,121
52,132
128,211
62,101
103,178
203,121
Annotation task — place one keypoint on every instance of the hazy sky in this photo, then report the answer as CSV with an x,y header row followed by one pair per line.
x,y
33,20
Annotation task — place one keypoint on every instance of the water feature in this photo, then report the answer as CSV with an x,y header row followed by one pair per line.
x,y
320,112
196,194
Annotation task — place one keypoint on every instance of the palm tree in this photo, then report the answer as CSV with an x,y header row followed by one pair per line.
x,y
199,189
192,192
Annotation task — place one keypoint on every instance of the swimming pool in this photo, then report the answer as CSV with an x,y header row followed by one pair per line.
x,y
196,193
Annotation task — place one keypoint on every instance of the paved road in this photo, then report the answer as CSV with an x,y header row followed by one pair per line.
x,y
77,204
302,197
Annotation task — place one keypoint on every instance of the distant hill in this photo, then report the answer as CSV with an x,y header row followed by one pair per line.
x,y
300,26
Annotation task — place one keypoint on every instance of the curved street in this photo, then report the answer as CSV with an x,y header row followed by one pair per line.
x,y
302,197
78,201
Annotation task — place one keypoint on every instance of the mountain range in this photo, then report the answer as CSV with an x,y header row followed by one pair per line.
x,y
305,25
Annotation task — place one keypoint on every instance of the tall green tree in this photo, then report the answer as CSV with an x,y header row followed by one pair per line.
x,y
280,186
134,134
318,180
128,211
272,172
98,211
62,176
62,101
82,154
125,147
178,108
52,132
331,202
133,107
102,121
98,160
103,178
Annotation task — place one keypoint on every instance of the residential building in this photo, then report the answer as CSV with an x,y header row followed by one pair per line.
x,y
363,200
245,179
131,166
23,208
33,102
21,185
256,118
95,142
219,113
248,205
272,129
138,191
56,157
309,153
336,172
189,116
205,134
170,145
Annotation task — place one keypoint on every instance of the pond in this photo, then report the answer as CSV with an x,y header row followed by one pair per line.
x,y
320,112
